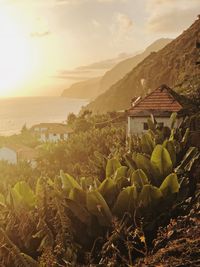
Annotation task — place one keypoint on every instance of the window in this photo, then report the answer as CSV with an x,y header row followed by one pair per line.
x,y
145,126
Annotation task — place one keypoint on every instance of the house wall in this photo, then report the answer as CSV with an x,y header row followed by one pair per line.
x,y
66,136
53,137
136,124
49,137
36,129
8,155
42,137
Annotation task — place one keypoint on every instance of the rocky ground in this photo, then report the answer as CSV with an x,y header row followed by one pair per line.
x,y
178,244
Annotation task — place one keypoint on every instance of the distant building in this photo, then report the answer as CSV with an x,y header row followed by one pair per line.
x,y
13,154
161,103
51,132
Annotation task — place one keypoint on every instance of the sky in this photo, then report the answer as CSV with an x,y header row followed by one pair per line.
x,y
43,42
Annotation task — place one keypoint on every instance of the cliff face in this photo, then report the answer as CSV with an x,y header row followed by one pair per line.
x,y
174,65
124,67
92,88
84,90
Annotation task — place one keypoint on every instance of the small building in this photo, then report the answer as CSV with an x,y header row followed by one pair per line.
x,y
51,132
160,103
14,153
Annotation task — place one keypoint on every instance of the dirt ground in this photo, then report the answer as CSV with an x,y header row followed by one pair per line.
x,y
178,244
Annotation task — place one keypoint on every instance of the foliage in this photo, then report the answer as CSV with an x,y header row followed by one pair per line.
x,y
25,137
161,162
107,209
10,174
22,196
82,154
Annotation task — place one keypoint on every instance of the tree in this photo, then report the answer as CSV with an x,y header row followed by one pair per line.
x,y
71,119
24,129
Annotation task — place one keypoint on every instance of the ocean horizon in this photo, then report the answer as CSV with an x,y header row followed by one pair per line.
x,y
18,111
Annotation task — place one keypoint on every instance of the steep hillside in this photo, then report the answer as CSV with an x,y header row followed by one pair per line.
x,y
85,89
124,67
174,65
92,88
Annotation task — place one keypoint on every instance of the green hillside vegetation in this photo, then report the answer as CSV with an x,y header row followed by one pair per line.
x,y
90,89
174,65
106,209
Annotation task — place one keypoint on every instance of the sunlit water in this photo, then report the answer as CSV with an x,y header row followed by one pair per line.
x,y
15,112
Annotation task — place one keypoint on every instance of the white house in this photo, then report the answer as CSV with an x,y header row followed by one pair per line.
x,y
160,103
51,132
14,153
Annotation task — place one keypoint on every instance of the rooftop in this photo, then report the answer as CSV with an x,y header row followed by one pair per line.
x,y
161,102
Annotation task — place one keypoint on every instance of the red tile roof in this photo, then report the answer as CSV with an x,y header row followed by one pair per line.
x,y
162,99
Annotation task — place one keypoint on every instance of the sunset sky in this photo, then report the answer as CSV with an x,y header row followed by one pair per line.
x,y
42,39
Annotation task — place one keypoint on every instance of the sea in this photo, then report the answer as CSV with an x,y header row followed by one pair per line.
x,y
16,112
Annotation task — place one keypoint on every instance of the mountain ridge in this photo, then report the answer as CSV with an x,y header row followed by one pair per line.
x,y
93,87
122,68
84,90
171,65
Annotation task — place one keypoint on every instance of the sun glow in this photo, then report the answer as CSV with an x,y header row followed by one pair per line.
x,y
15,55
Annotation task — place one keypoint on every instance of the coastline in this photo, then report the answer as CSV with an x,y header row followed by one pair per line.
x,y
16,112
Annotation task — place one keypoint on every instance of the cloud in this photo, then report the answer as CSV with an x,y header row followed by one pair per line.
x,y
40,34
81,73
124,21
69,2
171,16
57,2
96,23
121,28
40,28
111,1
